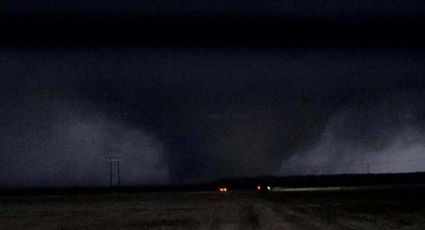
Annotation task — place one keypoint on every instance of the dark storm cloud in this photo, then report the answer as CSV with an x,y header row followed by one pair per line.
x,y
292,9
190,114
381,135
48,140
213,23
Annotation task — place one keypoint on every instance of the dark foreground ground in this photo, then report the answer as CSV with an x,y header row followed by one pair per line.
x,y
366,209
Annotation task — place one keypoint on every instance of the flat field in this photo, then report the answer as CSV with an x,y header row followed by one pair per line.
x,y
381,209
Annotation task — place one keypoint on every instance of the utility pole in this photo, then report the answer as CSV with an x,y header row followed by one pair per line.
x,y
111,179
110,172
119,177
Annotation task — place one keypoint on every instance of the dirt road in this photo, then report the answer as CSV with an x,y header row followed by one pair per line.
x,y
213,211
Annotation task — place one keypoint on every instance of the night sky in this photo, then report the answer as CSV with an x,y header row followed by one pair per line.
x,y
196,91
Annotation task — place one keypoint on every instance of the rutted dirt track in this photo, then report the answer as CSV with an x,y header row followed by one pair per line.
x,y
214,211
243,214
145,211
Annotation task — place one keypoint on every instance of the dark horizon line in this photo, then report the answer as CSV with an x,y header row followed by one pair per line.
x,y
238,183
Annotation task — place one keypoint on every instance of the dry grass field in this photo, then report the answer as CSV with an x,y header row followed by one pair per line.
x,y
236,210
